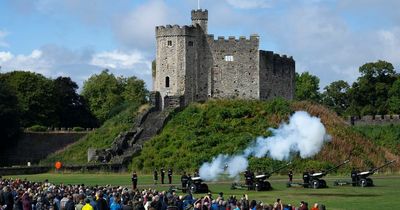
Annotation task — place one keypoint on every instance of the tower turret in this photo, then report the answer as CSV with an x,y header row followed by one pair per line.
x,y
200,17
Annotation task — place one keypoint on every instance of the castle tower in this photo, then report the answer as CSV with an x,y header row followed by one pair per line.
x,y
200,17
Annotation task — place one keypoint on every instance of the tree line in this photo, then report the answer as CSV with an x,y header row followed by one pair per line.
x,y
28,99
376,91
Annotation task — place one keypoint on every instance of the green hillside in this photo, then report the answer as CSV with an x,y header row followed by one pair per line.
x,y
202,131
383,135
100,138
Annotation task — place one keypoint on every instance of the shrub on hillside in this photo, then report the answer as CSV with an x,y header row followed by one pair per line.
x,y
78,129
37,128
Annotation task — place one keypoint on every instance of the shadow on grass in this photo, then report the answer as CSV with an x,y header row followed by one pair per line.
x,y
343,195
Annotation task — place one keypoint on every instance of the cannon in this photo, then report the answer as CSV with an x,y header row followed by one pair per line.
x,y
196,185
261,183
362,178
315,180
258,182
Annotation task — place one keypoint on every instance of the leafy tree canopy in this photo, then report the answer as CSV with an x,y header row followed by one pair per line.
x,y
307,87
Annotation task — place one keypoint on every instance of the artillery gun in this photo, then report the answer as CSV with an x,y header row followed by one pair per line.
x,y
315,180
362,179
258,182
196,185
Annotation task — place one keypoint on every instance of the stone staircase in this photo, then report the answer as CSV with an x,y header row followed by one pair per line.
x,y
128,144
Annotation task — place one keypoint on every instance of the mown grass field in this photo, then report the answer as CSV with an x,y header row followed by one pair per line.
x,y
383,196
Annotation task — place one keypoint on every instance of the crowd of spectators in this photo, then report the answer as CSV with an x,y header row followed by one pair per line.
x,y
26,195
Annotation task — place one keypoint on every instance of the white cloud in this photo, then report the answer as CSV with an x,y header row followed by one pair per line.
x,y
3,35
137,29
249,4
118,60
53,61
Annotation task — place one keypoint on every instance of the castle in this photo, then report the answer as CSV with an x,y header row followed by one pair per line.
x,y
193,66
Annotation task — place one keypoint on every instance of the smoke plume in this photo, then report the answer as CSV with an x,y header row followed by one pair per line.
x,y
303,135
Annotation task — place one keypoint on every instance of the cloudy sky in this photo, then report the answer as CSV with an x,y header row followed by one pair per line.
x,y
78,38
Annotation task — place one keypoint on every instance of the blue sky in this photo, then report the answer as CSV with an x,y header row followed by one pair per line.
x,y
75,38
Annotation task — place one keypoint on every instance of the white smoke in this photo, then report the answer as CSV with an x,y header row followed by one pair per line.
x,y
304,135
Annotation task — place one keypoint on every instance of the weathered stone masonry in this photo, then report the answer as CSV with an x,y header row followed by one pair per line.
x,y
192,64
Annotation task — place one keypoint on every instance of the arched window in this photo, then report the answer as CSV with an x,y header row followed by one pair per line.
x,y
167,82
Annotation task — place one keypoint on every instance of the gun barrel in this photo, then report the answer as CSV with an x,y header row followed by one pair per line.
x,y
382,166
336,167
280,168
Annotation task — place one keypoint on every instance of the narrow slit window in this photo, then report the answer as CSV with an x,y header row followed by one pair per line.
x,y
169,43
190,43
229,58
167,82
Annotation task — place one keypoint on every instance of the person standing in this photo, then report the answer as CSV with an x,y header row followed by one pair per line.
x,y
184,181
155,176
290,174
134,180
162,175
169,176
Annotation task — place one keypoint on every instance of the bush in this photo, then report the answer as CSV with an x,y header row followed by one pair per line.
x,y
78,129
37,128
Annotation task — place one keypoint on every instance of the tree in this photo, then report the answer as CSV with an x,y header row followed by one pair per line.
x,y
336,96
106,94
9,115
71,108
369,95
134,90
307,87
102,92
35,94
394,97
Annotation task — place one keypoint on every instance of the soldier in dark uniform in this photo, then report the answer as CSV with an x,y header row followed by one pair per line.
x,y
250,180
162,175
306,178
184,180
290,174
196,173
354,177
134,180
155,176
169,176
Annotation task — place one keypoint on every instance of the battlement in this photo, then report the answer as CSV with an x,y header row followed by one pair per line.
x,y
374,119
222,39
270,55
175,30
199,14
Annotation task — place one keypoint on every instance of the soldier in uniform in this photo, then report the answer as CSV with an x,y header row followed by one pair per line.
x,y
162,175
134,180
169,176
155,176
184,180
290,174
306,178
354,177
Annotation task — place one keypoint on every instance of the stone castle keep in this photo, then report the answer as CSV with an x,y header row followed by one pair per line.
x,y
191,65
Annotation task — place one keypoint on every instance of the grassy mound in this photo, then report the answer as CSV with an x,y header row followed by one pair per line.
x,y
202,131
100,138
382,135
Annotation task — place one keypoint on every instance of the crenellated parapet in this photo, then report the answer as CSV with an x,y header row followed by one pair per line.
x,y
199,14
232,39
374,119
176,30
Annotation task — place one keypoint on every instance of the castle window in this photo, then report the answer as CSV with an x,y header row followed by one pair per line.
x,y
167,82
190,43
169,43
229,58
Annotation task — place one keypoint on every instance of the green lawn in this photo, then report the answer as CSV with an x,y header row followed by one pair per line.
x,y
383,196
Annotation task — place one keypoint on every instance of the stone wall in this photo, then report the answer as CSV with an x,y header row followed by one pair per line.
x,y
374,120
32,147
238,76
277,76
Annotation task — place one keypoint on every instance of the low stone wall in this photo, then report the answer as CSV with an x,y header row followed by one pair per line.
x,y
91,168
32,147
374,120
